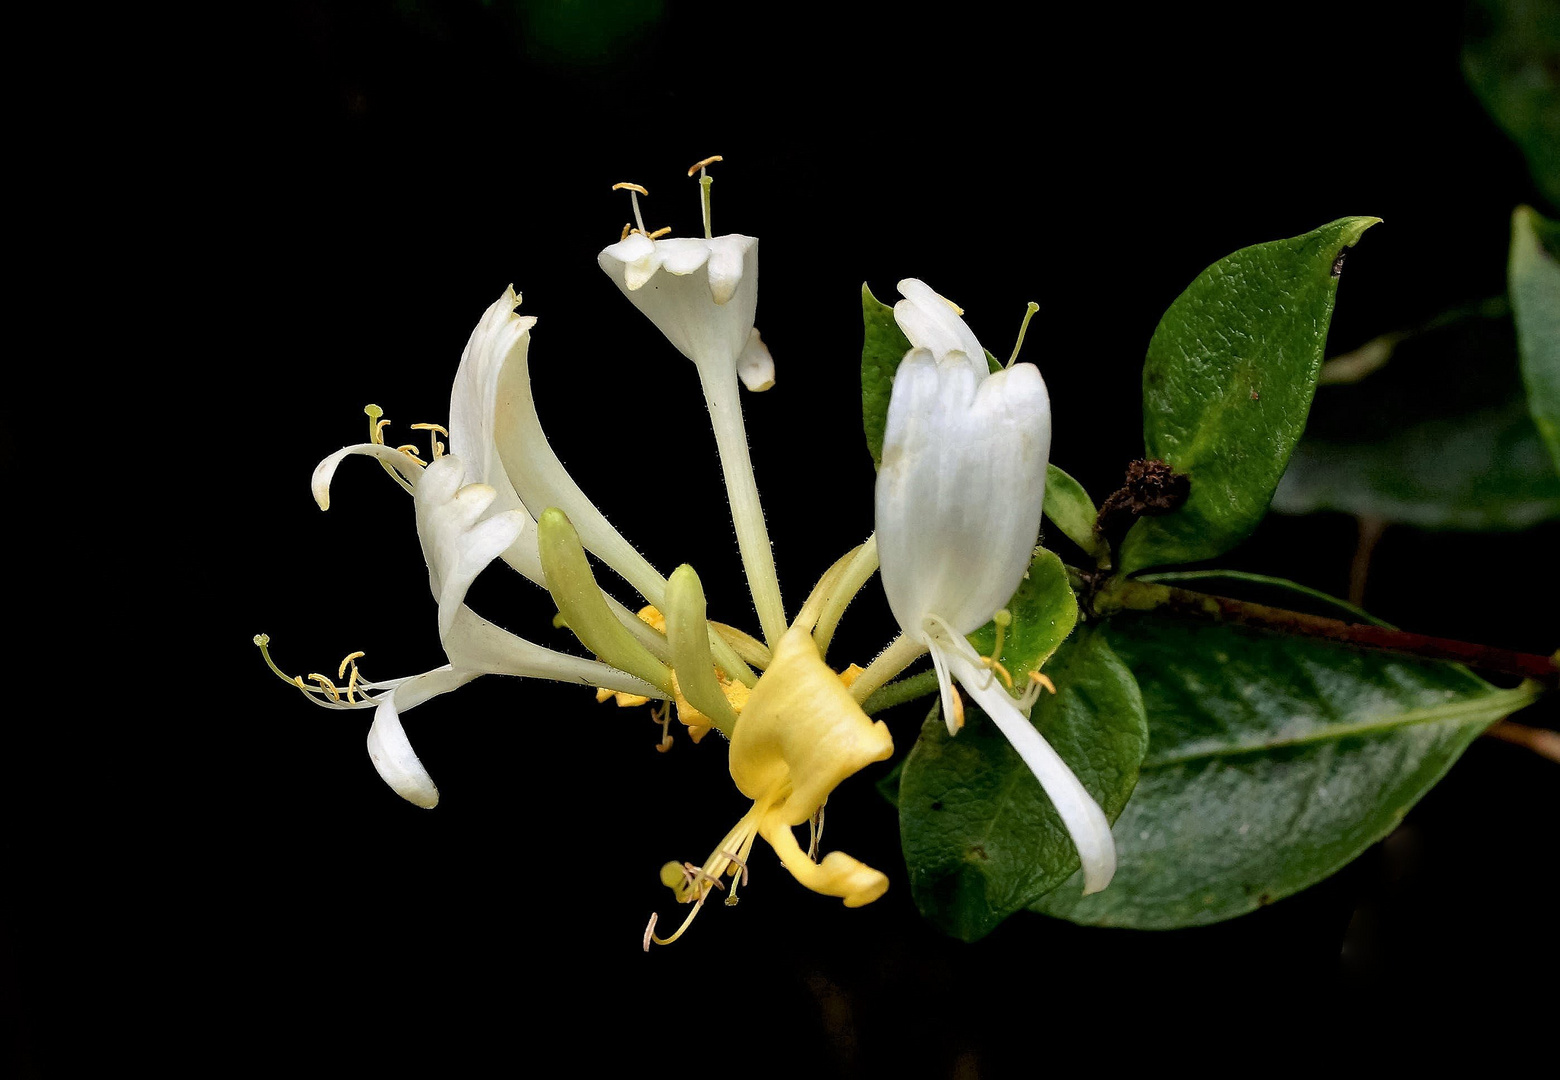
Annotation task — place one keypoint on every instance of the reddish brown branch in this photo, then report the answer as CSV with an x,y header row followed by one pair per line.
x,y
1143,596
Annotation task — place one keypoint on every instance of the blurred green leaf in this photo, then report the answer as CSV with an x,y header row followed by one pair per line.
x,y
1273,762
1534,283
1511,57
981,839
1227,384
1439,436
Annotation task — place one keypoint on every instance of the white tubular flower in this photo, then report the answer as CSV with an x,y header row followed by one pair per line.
x,y
958,507
460,534
702,294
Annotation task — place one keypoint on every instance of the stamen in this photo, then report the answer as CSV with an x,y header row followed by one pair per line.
x,y
628,227
1003,619
326,685
376,435
650,930
958,709
815,827
705,180
1037,681
1029,313
658,233
410,450
996,666
341,672
738,863
634,191
438,447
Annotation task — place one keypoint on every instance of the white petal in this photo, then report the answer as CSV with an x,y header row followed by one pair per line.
x,y
930,322
391,751
960,490
473,399
635,259
755,366
325,471
729,265
1086,822
459,536
683,255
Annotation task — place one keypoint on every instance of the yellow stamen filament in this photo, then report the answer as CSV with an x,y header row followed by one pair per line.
x,y
1029,313
997,667
697,165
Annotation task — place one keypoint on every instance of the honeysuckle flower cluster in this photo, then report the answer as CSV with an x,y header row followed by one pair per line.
x,y
958,512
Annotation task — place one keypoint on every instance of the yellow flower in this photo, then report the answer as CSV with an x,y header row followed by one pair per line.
x,y
800,735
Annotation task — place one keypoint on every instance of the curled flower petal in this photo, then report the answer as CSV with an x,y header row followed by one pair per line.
x,y
389,748
325,471
755,366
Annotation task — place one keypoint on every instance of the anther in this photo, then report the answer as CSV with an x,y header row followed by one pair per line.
x,y
634,191
341,672
697,165
628,227
958,709
996,666
438,429
650,930
377,432
659,233
1029,313
326,686
1042,680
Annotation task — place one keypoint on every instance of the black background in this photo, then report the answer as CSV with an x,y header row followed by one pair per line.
x,y
377,173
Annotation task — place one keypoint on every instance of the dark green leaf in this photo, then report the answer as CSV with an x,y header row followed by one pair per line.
x,y
1044,612
1071,510
981,839
883,346
1534,275
1511,57
1273,762
1227,384
1438,437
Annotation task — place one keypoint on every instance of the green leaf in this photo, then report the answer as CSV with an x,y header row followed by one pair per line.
x,y
883,346
1072,511
1439,437
1511,57
1273,762
1227,384
1534,282
981,839
1044,611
